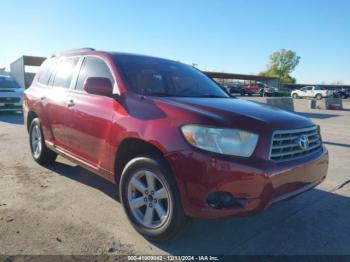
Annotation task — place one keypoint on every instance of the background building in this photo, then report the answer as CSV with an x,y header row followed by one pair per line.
x,y
19,72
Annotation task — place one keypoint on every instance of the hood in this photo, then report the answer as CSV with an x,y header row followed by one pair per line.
x,y
239,113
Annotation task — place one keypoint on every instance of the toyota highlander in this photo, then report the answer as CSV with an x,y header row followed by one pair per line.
x,y
172,140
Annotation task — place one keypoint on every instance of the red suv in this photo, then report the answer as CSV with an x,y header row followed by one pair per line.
x,y
253,88
175,143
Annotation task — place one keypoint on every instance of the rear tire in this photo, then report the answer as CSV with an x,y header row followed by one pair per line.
x,y
153,208
318,96
40,152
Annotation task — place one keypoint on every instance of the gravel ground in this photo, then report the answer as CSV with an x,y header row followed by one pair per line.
x,y
63,209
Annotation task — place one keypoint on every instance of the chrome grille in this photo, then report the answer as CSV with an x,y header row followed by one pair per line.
x,y
285,143
9,99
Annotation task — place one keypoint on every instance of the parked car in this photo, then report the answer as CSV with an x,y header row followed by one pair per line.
x,y
235,88
172,140
11,94
282,91
270,91
258,88
345,93
253,88
342,93
311,92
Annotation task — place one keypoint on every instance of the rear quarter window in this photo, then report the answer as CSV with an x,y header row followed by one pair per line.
x,y
64,71
46,71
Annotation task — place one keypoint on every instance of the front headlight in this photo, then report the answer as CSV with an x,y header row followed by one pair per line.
x,y
226,141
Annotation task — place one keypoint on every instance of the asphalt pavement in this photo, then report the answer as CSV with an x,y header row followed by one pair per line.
x,y
64,209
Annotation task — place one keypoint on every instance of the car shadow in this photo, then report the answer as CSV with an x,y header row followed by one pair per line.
x,y
315,222
299,226
85,177
316,115
12,118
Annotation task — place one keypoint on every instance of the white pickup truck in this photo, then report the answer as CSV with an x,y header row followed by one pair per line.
x,y
311,91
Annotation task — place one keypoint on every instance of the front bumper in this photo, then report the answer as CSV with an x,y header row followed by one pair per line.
x,y
261,183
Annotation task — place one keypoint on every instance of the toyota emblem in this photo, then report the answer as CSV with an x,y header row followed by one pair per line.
x,y
304,142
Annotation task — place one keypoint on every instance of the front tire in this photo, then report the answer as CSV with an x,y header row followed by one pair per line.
x,y
295,96
318,96
151,200
40,152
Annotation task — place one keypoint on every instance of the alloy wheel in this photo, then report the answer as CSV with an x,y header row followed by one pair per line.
x,y
36,141
149,199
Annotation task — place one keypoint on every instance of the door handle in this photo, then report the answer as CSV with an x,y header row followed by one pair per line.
x,y
70,103
42,98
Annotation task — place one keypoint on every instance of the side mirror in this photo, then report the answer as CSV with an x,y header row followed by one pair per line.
x,y
98,86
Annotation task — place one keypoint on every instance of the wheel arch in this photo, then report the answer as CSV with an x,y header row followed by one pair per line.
x,y
130,148
31,115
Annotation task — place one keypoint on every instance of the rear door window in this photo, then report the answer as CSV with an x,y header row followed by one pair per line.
x,y
93,67
64,71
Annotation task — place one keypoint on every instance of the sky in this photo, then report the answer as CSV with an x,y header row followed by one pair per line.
x,y
235,36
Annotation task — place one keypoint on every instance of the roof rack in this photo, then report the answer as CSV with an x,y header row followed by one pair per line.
x,y
75,50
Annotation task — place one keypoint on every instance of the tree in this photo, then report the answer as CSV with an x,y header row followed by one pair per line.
x,y
282,64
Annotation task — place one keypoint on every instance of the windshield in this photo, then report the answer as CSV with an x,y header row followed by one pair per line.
x,y
160,77
7,82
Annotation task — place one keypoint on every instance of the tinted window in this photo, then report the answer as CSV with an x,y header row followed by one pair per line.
x,y
46,71
64,71
161,77
93,67
8,82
